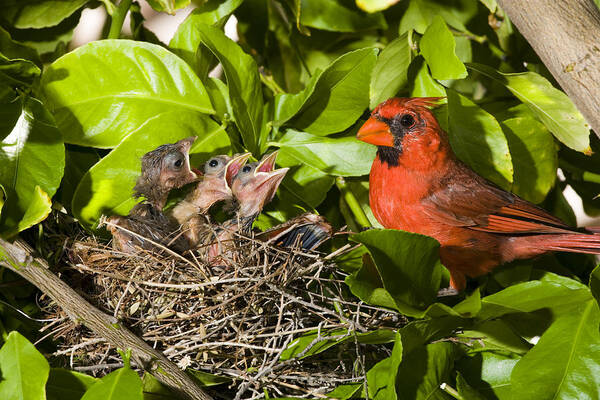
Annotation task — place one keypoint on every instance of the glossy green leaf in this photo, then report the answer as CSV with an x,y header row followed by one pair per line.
x,y
107,187
408,264
186,41
381,379
424,369
122,384
245,90
420,14
32,160
465,390
40,13
565,363
478,140
345,156
64,384
375,5
18,73
102,92
497,335
49,42
24,369
556,293
310,185
315,342
345,392
338,15
365,283
207,379
13,49
339,97
550,105
438,48
168,6
421,83
594,283
390,71
489,373
534,158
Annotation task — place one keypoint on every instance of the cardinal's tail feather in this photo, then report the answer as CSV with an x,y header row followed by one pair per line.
x,y
572,242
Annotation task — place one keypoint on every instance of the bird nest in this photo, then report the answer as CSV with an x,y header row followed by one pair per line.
x,y
239,318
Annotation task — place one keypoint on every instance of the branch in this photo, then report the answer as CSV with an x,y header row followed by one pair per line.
x,y
19,258
566,37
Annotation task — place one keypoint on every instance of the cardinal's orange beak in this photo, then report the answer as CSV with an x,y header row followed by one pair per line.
x,y
376,132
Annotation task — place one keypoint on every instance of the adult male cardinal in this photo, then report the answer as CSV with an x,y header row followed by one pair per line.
x,y
417,184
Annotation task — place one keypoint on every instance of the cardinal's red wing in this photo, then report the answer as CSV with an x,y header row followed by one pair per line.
x,y
472,202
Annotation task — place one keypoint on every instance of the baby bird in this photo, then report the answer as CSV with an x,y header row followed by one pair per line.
x,y
163,169
219,172
252,188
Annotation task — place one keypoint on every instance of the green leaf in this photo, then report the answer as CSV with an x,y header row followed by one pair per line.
x,y
310,185
390,71
550,105
32,160
64,384
478,140
207,379
465,390
421,83
18,73
553,292
101,92
375,5
534,157
78,160
24,370
424,369
13,49
594,282
245,90
366,284
345,392
565,363
334,15
489,373
107,187
497,335
168,6
186,41
122,384
339,97
381,379
40,13
315,342
328,155
437,47
420,14
408,264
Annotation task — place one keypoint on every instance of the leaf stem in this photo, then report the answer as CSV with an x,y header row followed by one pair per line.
x,y
118,17
451,391
352,202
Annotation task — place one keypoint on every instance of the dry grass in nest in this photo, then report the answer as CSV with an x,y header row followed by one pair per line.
x,y
233,320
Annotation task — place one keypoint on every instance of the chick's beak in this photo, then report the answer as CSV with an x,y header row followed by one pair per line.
x,y
376,132
268,182
234,165
267,164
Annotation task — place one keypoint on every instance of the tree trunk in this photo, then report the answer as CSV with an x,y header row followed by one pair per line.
x,y
566,36
19,258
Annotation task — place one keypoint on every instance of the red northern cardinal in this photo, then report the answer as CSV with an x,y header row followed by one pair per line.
x,y
218,175
163,169
417,184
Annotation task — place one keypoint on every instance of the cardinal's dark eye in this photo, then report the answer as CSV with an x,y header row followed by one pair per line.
x,y
407,120
247,169
213,163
